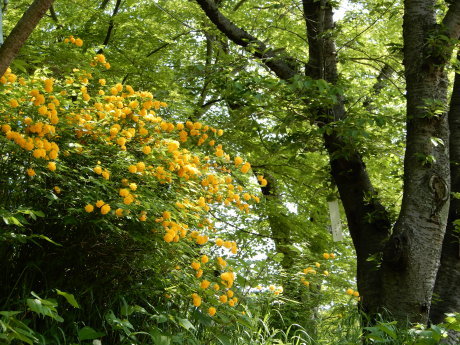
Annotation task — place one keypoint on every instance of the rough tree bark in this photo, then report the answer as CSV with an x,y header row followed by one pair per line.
x,y
411,257
447,288
21,32
405,282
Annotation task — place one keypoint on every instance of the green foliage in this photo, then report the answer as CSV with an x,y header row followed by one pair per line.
x,y
125,284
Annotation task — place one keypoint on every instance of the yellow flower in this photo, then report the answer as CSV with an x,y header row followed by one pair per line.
x,y
124,192
31,172
196,300
166,215
220,132
100,58
231,303
14,103
128,200
173,146
97,169
272,287
78,42
245,168
195,265
205,284
216,287
140,166
100,203
317,264
199,273
52,166
201,239
105,209
228,277
119,212
57,189
204,259
89,208
106,174
223,298
238,161
230,293
349,291
326,256
132,169
221,262
168,237
212,311
146,150
121,141
133,186
356,293
326,273
219,242
332,255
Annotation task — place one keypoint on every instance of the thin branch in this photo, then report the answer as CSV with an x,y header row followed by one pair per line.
x,y
238,5
111,26
156,50
366,28
246,40
239,229
55,17
173,16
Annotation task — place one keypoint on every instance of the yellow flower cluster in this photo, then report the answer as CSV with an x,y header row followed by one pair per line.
x,y
352,292
311,270
49,120
77,41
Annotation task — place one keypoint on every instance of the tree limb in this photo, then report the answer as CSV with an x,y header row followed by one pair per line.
x,y
246,40
21,32
111,26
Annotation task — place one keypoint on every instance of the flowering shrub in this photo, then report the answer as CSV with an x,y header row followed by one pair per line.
x,y
88,153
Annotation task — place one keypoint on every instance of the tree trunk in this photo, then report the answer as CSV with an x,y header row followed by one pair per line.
x,y
21,32
347,168
447,288
411,257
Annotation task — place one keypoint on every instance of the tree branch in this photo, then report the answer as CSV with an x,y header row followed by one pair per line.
x,y
111,26
22,31
164,45
246,40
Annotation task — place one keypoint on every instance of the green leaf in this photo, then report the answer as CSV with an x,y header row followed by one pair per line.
x,y
186,324
224,340
158,338
69,297
12,221
88,333
278,257
45,307
129,309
